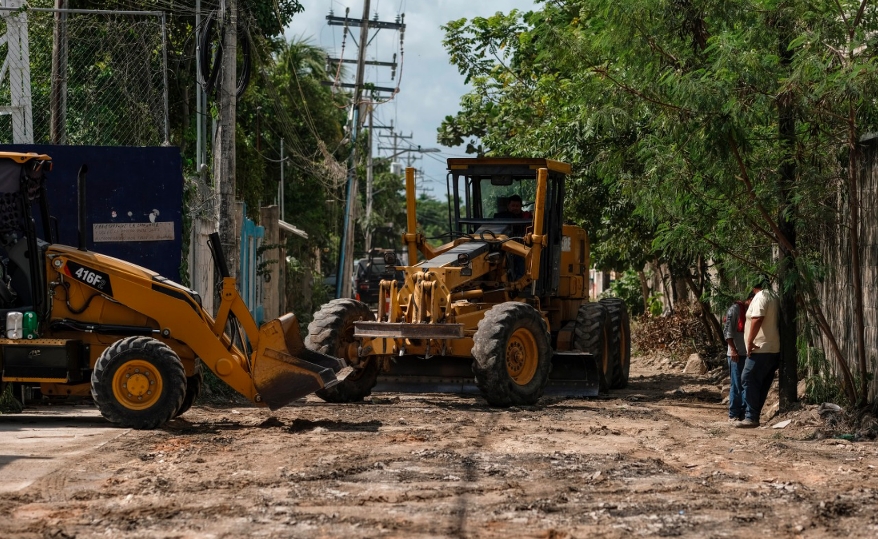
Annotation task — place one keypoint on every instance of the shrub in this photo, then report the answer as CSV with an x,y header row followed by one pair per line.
x,y
677,335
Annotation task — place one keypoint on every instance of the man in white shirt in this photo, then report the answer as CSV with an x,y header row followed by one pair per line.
x,y
762,339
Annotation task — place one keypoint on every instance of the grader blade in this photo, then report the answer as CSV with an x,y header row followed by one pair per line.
x,y
284,370
434,375
574,374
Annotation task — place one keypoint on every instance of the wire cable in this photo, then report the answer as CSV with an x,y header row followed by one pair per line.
x,y
210,67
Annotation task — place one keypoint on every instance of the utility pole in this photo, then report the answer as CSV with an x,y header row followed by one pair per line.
x,y
224,143
396,138
367,227
282,164
346,256
58,98
410,155
410,158
346,253
423,190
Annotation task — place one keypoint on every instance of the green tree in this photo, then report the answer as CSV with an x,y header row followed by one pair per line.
x,y
684,112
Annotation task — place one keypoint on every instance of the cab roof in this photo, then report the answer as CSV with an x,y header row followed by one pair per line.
x,y
464,163
22,158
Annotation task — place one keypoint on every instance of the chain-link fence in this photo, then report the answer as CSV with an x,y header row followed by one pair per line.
x,y
95,77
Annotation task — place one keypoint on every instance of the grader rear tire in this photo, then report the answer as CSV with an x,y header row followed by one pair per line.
x,y
592,335
620,341
332,333
138,382
512,356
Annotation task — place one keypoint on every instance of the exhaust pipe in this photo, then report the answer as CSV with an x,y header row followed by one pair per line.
x,y
80,199
219,257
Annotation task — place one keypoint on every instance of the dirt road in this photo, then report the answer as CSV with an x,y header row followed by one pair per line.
x,y
657,459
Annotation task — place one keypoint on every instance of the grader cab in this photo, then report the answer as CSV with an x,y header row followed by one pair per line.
x,y
505,300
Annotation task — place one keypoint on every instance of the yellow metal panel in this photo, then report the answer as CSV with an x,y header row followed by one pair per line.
x,y
574,261
24,157
463,163
31,342
78,390
18,379
564,286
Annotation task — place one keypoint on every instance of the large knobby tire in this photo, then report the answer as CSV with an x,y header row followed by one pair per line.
x,y
194,384
332,333
592,335
138,382
620,341
512,356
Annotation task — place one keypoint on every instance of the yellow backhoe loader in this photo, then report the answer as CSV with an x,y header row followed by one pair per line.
x,y
126,335
506,299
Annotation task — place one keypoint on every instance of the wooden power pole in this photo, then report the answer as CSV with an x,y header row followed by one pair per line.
x,y
346,256
224,142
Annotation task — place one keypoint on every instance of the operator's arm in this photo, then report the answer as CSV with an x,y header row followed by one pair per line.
x,y
755,324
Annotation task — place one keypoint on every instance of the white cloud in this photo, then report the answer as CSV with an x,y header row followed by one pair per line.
x,y
431,87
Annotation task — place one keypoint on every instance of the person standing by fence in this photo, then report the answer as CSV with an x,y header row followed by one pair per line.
x,y
733,331
763,352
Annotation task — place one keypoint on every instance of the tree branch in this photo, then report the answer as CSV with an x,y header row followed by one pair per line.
x,y
604,72
751,194
859,17
844,18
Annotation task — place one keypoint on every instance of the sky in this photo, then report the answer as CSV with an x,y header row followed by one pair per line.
x,y
430,87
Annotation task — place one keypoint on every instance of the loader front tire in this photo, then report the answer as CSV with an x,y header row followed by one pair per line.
x,y
194,384
138,382
332,333
592,336
619,333
512,356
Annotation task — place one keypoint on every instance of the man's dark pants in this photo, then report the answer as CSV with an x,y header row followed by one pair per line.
x,y
758,374
736,395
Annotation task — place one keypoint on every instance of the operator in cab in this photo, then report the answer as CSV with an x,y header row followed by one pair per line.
x,y
513,210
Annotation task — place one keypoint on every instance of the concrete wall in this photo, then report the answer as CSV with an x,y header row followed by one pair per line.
x,y
273,290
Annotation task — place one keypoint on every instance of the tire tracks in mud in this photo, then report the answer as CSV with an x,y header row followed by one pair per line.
x,y
644,461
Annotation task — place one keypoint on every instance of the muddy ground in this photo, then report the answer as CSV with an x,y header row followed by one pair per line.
x,y
656,459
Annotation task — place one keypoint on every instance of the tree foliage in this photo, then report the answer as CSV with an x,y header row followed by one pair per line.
x,y
671,113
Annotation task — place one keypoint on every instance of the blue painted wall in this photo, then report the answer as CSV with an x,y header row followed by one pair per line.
x,y
249,283
124,185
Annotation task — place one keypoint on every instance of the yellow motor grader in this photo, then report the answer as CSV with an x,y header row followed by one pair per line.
x,y
505,300
126,335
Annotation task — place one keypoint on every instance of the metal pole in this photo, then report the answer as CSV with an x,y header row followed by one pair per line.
x,y
343,280
198,105
369,180
165,76
282,163
58,92
17,57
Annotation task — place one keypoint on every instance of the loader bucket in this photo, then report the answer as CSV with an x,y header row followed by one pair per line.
x,y
574,374
284,370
